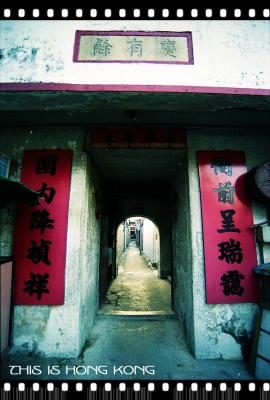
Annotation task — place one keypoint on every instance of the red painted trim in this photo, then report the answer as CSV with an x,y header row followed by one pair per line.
x,y
132,33
79,34
135,61
74,87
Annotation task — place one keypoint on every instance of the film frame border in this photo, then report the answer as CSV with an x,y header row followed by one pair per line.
x,y
218,390
215,389
142,13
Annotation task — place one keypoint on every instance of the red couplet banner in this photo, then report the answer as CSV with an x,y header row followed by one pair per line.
x,y
229,242
41,231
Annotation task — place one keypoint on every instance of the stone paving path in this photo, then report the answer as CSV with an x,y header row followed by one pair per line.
x,y
131,348
121,347
137,286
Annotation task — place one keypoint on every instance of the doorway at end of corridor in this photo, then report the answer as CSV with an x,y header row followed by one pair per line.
x,y
137,289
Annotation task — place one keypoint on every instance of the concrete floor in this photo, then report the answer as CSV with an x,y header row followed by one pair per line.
x,y
130,348
137,286
136,336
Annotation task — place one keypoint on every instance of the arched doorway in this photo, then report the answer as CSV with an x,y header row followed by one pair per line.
x,y
137,286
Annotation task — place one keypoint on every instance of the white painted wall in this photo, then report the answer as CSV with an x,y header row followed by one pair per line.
x,y
150,241
226,54
120,240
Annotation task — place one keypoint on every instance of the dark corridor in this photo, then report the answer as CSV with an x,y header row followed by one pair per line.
x,y
136,169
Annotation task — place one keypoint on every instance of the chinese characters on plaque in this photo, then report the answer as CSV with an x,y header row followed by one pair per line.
x,y
40,232
229,244
123,46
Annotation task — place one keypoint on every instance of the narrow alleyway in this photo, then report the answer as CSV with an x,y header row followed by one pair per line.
x,y
137,286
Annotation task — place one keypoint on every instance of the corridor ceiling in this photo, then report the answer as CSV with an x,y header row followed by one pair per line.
x,y
134,165
88,108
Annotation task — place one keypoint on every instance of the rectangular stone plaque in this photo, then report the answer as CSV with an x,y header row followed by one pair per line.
x,y
129,47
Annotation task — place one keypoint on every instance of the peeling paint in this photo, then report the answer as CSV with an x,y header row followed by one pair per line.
x,y
22,54
235,327
46,51
228,347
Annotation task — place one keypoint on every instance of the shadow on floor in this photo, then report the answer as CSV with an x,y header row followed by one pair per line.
x,y
129,348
